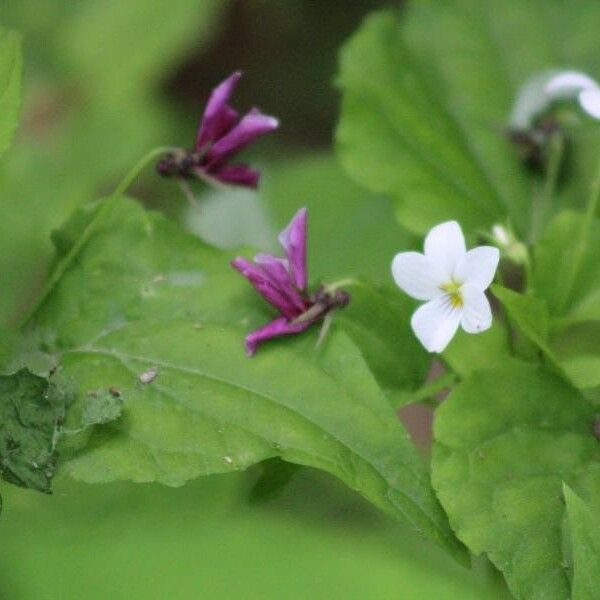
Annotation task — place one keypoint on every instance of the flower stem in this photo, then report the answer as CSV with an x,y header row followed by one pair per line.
x,y
424,395
139,167
331,288
542,202
583,239
102,212
189,194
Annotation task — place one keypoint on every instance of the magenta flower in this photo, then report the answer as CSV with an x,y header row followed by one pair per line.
x,y
282,282
222,134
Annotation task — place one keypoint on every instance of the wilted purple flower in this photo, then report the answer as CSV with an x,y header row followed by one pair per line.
x,y
222,134
282,282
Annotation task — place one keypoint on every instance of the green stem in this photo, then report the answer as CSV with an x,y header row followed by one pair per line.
x,y
139,167
583,240
342,283
91,228
543,201
528,277
424,394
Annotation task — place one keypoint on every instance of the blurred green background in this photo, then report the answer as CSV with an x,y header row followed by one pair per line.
x,y
105,81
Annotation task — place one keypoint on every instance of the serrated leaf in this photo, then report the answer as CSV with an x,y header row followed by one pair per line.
x,y
505,440
10,85
31,414
584,540
135,293
427,100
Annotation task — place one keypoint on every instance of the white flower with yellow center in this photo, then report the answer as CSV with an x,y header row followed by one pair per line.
x,y
453,282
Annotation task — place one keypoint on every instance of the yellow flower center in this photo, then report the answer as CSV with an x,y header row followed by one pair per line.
x,y
453,290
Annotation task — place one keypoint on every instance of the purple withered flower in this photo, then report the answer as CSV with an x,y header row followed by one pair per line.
x,y
221,135
282,282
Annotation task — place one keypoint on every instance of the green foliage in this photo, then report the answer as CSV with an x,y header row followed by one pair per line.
x,y
94,107
505,441
379,323
31,414
10,85
529,314
584,546
426,102
135,293
567,271
145,323
101,407
468,353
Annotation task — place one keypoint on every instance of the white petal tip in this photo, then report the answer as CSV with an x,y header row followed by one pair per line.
x,y
590,102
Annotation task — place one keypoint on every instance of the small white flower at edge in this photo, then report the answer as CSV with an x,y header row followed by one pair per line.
x,y
453,282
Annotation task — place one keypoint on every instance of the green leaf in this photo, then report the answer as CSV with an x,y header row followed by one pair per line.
x,y
10,85
427,99
378,320
135,293
530,315
584,534
505,440
567,270
397,136
468,353
101,407
31,414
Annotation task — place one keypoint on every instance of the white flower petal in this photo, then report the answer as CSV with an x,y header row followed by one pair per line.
x,y
477,313
435,323
478,267
418,276
566,84
445,244
590,102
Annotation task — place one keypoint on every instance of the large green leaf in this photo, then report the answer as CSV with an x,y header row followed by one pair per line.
x,y
505,440
426,103
584,546
10,85
133,293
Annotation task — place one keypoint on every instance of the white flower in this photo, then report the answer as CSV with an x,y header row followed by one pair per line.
x,y
548,87
453,282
